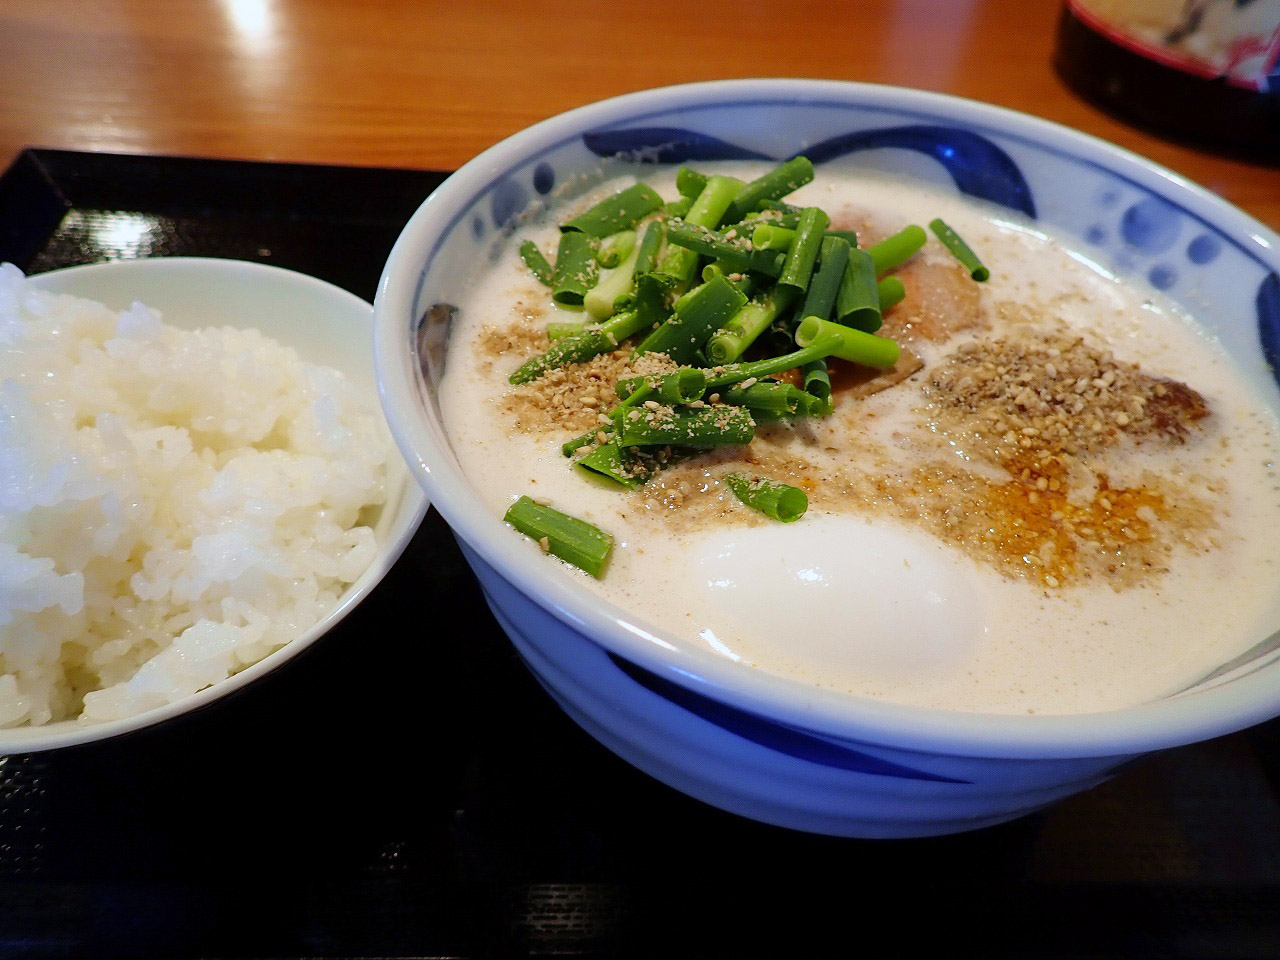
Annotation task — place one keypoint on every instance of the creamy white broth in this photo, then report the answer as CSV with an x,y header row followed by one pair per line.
x,y
861,594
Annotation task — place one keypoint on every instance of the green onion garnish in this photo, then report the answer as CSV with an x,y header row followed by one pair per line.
x,y
767,236
817,380
558,330
735,275
773,185
697,314
787,214
650,244
686,427
618,212
858,299
853,345
777,500
613,286
767,396
891,292
707,211
679,207
820,298
752,319
823,345
803,252
896,250
536,262
575,348
610,460
683,386
576,269
616,248
648,308
810,284
734,253
960,250
572,540
848,236
689,182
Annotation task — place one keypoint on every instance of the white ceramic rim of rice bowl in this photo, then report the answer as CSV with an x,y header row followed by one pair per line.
x,y
1204,714
156,281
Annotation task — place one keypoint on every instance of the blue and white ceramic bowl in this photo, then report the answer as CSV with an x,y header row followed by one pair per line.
x,y
763,746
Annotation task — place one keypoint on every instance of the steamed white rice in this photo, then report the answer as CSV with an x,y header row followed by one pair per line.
x,y
174,505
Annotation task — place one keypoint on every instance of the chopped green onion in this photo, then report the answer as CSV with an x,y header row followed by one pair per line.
x,y
891,292
576,269
536,262
679,207
896,250
778,501
624,325
735,275
650,244
799,404
697,315
739,254
858,299
817,379
577,348
774,218
636,395
822,346
783,221
960,250
633,391
683,386
648,308
785,211
707,211
820,298
569,447
613,286
773,185
854,345
610,460
572,540
779,235
690,183
629,385
803,253
752,319
616,248
768,236
686,427
558,330
769,396
618,212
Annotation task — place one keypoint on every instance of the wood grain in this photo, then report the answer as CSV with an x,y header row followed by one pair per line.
x,y
428,84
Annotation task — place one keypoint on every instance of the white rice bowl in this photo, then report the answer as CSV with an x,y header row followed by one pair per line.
x,y
174,505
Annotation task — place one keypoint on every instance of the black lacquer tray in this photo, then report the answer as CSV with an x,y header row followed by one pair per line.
x,y
405,788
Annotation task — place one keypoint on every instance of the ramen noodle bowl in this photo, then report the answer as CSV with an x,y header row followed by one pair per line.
x,y
795,733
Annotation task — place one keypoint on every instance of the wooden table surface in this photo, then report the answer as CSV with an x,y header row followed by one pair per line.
x,y
427,84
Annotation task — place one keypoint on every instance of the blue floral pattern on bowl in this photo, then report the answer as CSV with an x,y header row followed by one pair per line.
x,y
976,165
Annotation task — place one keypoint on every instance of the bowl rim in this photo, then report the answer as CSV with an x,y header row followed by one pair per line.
x,y
1183,719
411,507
